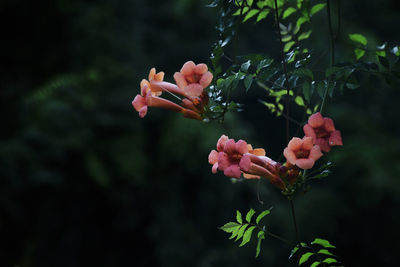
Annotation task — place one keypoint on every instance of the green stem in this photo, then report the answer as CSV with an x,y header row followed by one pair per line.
x,y
279,238
278,22
294,221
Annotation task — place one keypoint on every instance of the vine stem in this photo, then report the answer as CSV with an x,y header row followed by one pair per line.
x,y
278,23
294,221
332,38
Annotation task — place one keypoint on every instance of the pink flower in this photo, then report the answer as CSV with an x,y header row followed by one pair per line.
x,y
302,152
323,132
193,78
147,99
156,84
235,158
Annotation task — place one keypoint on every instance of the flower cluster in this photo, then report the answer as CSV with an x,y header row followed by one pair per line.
x,y
190,84
237,158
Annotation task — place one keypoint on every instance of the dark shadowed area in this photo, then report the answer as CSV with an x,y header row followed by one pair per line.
x,y
85,182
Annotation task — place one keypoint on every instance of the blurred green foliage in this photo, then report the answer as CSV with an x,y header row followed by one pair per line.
x,y
85,182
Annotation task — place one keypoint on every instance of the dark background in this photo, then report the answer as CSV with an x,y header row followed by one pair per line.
x,y
85,182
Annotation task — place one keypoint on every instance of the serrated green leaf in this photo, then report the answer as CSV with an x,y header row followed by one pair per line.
x,y
305,257
245,66
262,15
247,236
322,242
329,260
359,53
260,236
248,81
241,231
262,215
316,8
325,252
288,12
288,45
358,38
239,217
249,215
251,14
305,35
249,2
229,227
315,263
299,101
235,232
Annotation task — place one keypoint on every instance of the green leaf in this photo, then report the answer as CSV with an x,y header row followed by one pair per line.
x,y
286,38
288,45
247,236
332,70
299,101
359,53
305,35
249,215
260,236
322,242
250,2
325,252
251,14
395,50
315,263
239,11
239,217
245,66
303,72
241,231
316,8
262,215
235,232
300,21
381,53
307,91
288,12
262,15
229,227
305,257
294,250
352,85
248,81
330,260
358,38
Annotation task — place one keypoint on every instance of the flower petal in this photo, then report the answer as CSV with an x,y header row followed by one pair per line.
x,y
316,120
335,139
138,102
187,68
307,143
289,155
241,147
143,112
315,153
200,68
309,131
159,77
213,157
221,142
214,168
257,151
180,80
323,144
295,143
305,163
206,79
233,171
194,89
152,73
329,125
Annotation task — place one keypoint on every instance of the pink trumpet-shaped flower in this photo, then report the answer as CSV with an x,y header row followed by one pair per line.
x,y
302,152
193,78
156,84
235,158
147,99
323,132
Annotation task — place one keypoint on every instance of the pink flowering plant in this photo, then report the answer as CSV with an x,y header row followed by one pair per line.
x,y
290,83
